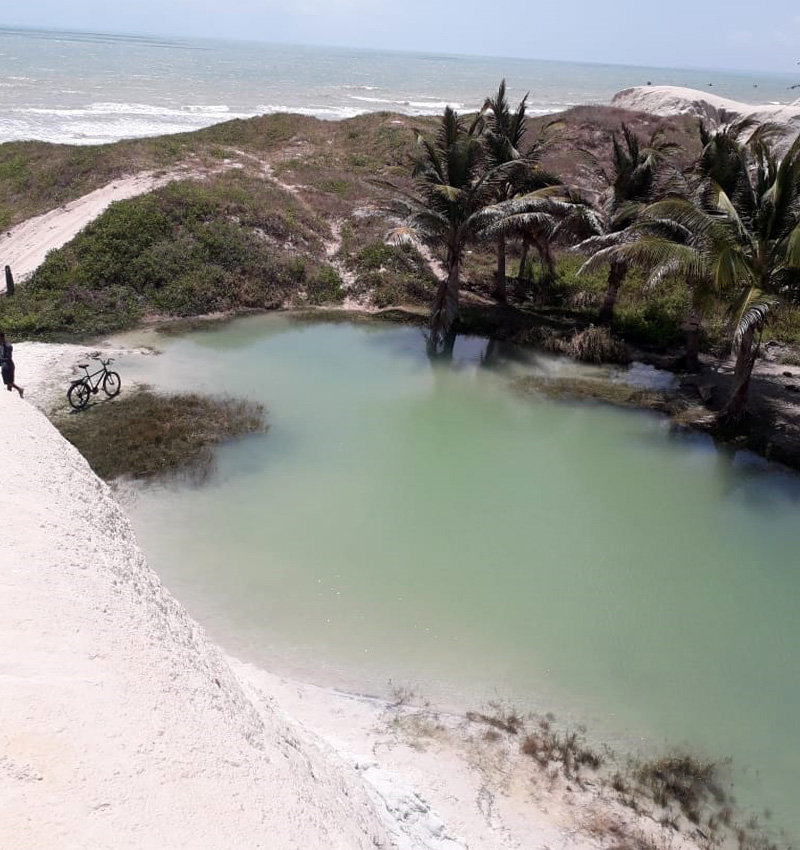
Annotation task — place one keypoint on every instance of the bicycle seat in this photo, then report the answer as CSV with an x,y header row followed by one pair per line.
x,y
83,365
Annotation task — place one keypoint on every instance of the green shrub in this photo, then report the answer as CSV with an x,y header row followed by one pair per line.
x,y
325,287
187,249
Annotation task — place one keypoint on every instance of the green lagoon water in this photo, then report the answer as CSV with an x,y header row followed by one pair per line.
x,y
429,527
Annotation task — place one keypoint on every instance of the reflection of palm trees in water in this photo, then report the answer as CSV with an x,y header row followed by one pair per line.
x,y
439,347
491,354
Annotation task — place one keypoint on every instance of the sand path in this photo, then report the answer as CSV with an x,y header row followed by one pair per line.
x,y
25,246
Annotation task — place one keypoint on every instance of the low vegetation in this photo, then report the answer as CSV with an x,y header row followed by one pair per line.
x,y
146,435
389,275
187,249
676,791
682,781
502,718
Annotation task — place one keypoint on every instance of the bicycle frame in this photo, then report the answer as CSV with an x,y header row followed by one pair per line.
x,y
82,388
102,371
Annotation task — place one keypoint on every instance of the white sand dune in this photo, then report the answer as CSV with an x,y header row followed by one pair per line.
x,y
674,100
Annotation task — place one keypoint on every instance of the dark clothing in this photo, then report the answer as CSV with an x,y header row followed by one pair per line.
x,y
7,364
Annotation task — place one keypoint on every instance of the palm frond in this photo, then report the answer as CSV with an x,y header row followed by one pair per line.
x,y
750,310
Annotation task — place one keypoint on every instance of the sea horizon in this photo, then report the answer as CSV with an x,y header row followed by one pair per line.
x,y
82,87
172,39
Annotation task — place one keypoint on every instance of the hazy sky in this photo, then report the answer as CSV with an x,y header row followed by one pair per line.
x,y
695,33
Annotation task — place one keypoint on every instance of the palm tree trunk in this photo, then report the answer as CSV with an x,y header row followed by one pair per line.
x,y
523,256
616,277
692,327
499,292
736,405
445,305
542,245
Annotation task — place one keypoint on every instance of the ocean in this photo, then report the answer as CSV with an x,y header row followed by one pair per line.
x,y
88,88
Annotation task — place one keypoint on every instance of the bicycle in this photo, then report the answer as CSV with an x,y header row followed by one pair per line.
x,y
80,390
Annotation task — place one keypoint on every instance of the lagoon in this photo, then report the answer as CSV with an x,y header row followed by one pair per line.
x,y
431,527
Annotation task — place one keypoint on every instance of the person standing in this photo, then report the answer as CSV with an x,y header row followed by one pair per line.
x,y
7,365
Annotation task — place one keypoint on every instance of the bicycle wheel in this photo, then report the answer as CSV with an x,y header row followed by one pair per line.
x,y
78,395
111,384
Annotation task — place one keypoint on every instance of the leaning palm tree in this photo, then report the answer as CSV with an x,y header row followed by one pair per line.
x,y
637,174
765,211
506,144
453,186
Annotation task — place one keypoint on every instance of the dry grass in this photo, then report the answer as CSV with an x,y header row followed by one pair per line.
x,y
145,435
568,751
503,719
681,780
597,345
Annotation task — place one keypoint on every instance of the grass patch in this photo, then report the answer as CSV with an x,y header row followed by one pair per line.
x,y
388,275
597,345
503,719
607,392
325,287
146,435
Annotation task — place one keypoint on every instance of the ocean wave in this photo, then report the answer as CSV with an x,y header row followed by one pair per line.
x,y
412,104
370,99
123,109
103,128
332,113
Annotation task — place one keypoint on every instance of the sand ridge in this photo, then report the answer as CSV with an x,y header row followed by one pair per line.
x,y
715,110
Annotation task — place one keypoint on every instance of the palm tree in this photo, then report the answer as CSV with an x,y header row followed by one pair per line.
x,y
453,188
634,181
744,246
542,217
505,143
678,239
765,212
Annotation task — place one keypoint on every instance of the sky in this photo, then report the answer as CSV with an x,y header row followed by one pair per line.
x,y
733,34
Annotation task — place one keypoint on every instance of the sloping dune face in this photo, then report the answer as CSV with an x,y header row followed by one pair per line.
x,y
120,724
674,100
